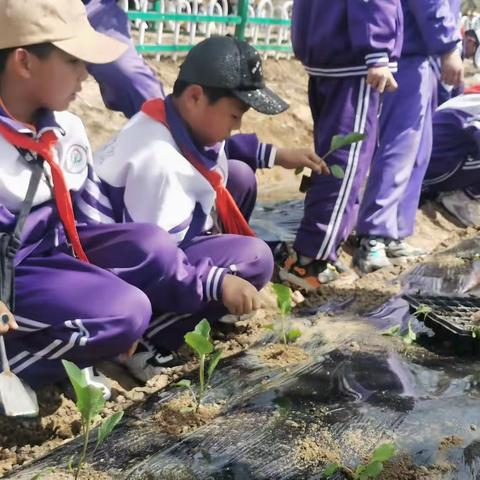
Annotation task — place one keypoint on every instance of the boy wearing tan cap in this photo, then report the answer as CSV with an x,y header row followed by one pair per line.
x,y
83,291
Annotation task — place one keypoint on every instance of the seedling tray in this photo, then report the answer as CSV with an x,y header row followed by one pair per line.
x,y
451,316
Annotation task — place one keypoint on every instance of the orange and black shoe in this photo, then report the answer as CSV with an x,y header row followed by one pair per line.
x,y
308,276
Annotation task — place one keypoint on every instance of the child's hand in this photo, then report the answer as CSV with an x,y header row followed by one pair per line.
x,y
381,79
301,157
239,296
7,320
452,68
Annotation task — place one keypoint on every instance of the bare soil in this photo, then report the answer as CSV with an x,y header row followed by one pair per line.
x,y
24,440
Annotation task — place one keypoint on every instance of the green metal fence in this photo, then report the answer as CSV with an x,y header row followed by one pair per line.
x,y
171,27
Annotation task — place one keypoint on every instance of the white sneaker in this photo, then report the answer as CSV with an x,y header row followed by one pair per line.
x,y
401,250
462,207
370,255
145,365
96,379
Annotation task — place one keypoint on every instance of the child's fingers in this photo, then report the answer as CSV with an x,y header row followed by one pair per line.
x,y
7,320
316,163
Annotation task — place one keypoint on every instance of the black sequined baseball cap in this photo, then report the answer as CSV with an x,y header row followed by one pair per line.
x,y
234,65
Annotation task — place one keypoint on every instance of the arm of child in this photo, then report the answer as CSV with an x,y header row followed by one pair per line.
x,y
291,158
248,149
441,34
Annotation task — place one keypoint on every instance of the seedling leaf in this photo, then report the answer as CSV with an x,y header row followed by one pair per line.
x,y
203,329
107,426
372,470
90,402
198,343
383,453
284,300
269,326
339,141
475,332
392,332
184,383
75,375
422,310
215,358
337,171
293,334
330,469
410,336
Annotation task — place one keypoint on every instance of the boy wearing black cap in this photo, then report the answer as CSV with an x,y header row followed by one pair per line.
x,y
168,166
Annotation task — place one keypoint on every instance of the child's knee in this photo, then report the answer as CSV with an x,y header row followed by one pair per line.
x,y
151,243
134,312
261,261
241,175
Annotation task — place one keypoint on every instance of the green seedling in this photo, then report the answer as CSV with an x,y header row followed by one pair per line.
x,y
90,402
422,311
200,342
475,332
368,471
284,303
392,332
408,337
337,142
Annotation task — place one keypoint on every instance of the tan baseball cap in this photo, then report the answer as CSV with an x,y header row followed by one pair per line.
x,y
63,23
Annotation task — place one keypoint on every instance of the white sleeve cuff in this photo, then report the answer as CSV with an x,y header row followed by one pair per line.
x,y
379,59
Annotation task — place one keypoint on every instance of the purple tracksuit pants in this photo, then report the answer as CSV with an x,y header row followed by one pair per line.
x,y
85,313
392,193
126,83
338,106
455,160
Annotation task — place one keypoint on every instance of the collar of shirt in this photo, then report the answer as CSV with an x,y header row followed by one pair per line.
x,y
45,121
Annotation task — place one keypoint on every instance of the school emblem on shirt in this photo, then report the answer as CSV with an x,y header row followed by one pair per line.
x,y
76,159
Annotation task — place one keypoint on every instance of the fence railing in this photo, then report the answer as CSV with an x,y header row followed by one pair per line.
x,y
172,27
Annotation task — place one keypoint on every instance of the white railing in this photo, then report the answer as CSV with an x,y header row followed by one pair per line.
x,y
181,33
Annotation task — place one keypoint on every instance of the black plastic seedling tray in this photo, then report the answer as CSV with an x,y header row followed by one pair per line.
x,y
450,317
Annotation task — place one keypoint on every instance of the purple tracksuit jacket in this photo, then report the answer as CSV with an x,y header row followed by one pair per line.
x,y
338,41
344,37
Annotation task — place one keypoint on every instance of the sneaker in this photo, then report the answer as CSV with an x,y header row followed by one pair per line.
x,y
96,379
370,255
462,207
144,365
308,276
399,249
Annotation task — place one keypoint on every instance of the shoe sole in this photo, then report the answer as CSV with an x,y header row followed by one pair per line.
x,y
288,277
404,260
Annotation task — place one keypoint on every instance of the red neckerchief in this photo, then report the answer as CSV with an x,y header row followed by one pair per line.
x,y
230,215
43,147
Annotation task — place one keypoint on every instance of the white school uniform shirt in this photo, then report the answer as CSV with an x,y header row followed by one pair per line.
x,y
72,152
159,184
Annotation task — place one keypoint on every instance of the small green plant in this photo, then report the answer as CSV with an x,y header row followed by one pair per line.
x,y
337,142
284,303
200,342
475,332
408,337
368,471
90,402
422,311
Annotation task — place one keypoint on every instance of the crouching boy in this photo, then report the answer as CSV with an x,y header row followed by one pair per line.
x,y
168,166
